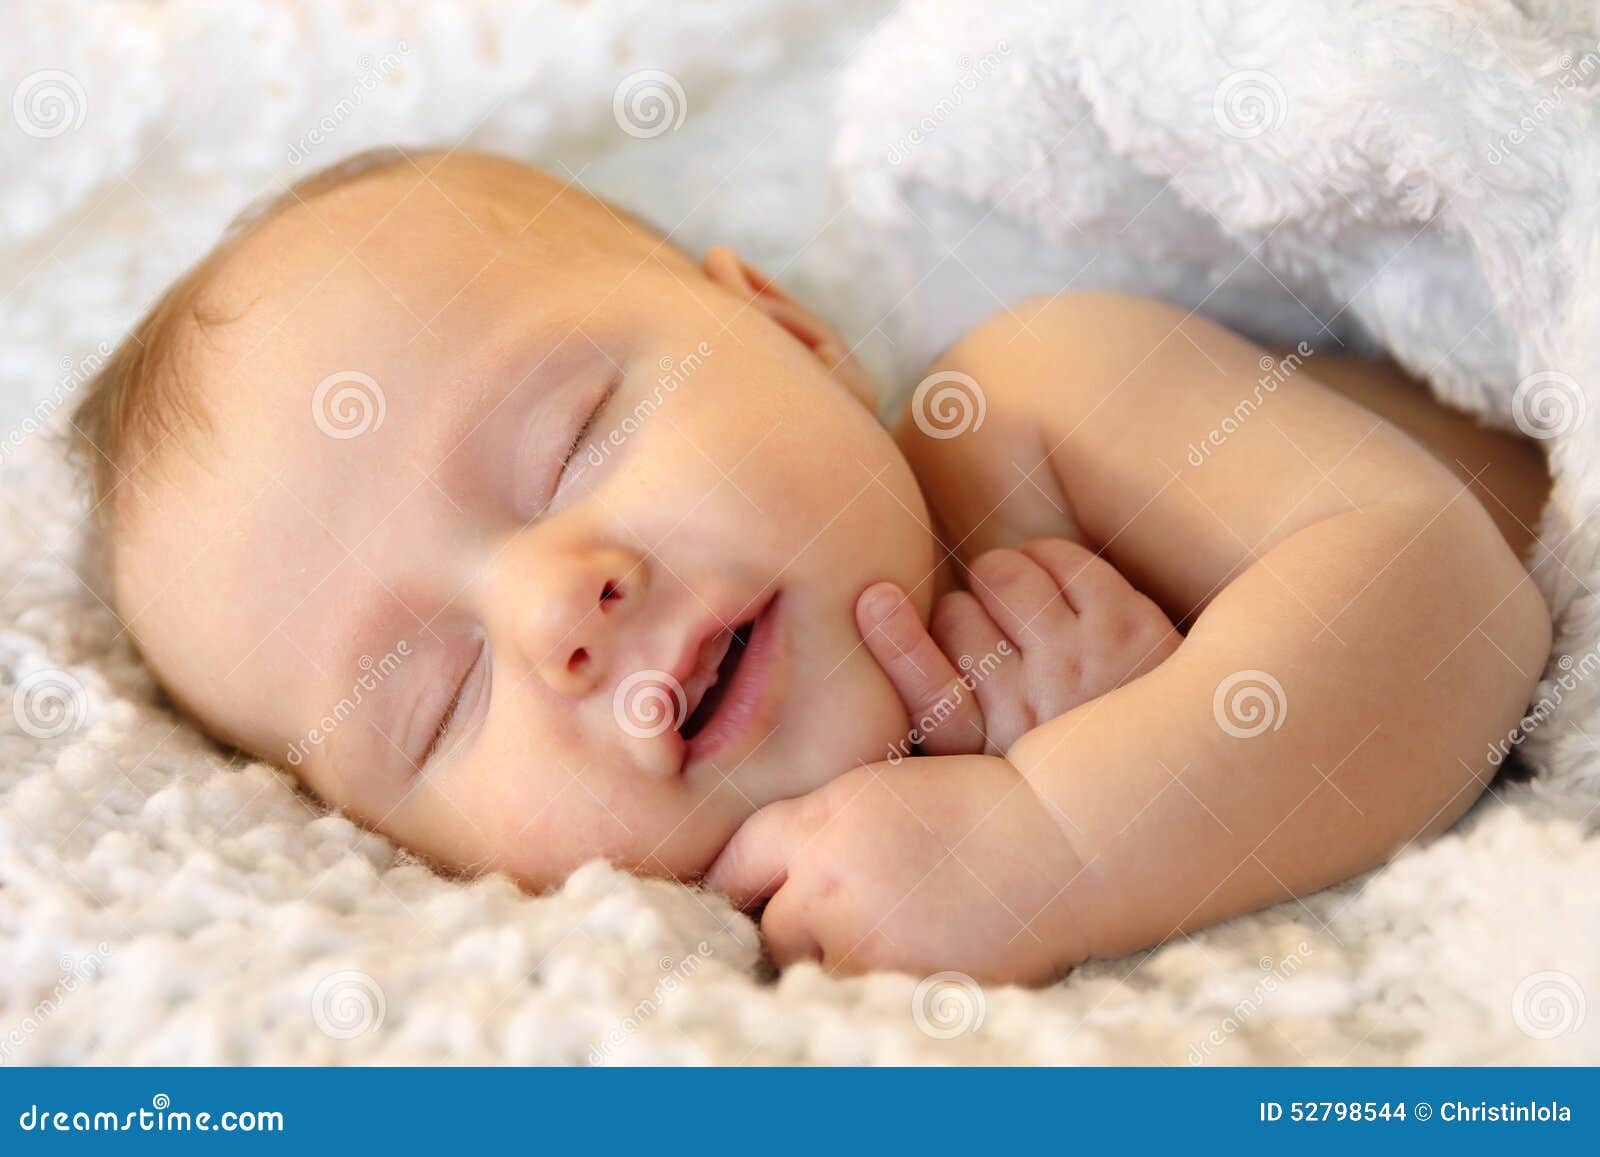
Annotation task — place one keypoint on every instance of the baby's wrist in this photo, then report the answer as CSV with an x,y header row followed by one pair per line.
x,y
1063,911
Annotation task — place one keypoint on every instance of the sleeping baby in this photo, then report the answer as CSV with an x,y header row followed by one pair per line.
x,y
524,538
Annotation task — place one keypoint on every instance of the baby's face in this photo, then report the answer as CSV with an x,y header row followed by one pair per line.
x,y
456,592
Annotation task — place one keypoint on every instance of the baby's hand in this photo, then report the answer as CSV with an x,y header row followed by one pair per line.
x,y
942,864
1041,630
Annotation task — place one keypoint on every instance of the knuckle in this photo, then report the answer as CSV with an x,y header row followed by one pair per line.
x,y
1001,566
812,810
1063,553
1063,548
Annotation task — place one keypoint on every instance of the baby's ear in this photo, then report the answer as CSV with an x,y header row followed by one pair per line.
x,y
727,269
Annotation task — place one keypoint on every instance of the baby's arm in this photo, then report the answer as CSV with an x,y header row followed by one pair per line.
x,y
1348,589
1340,582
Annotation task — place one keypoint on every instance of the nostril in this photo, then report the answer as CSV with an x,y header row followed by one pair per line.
x,y
611,592
577,661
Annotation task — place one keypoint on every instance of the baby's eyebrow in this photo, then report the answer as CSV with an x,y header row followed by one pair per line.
x,y
485,430
528,360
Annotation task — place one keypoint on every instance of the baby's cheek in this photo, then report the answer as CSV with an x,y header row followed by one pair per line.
x,y
544,828
850,715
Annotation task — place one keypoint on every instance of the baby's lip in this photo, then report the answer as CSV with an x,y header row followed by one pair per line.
x,y
703,652
703,675
706,646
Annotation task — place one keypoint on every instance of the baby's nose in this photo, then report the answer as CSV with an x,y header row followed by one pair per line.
x,y
574,624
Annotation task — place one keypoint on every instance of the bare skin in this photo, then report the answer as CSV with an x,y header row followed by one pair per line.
x,y
538,514
1329,566
1507,474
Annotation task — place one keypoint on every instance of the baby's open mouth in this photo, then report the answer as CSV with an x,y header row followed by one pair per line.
x,y
734,683
720,675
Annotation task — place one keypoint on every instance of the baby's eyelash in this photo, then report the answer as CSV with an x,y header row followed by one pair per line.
x,y
442,731
588,425
445,720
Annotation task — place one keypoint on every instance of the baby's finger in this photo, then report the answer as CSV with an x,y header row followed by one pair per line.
x,y
943,713
787,928
1084,578
991,666
1021,597
755,863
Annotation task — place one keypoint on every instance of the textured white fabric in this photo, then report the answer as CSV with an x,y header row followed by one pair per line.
x,y
157,905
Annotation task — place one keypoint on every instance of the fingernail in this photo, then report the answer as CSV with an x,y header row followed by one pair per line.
x,y
881,601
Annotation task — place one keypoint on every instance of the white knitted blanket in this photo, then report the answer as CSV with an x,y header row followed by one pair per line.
x,y
1414,176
